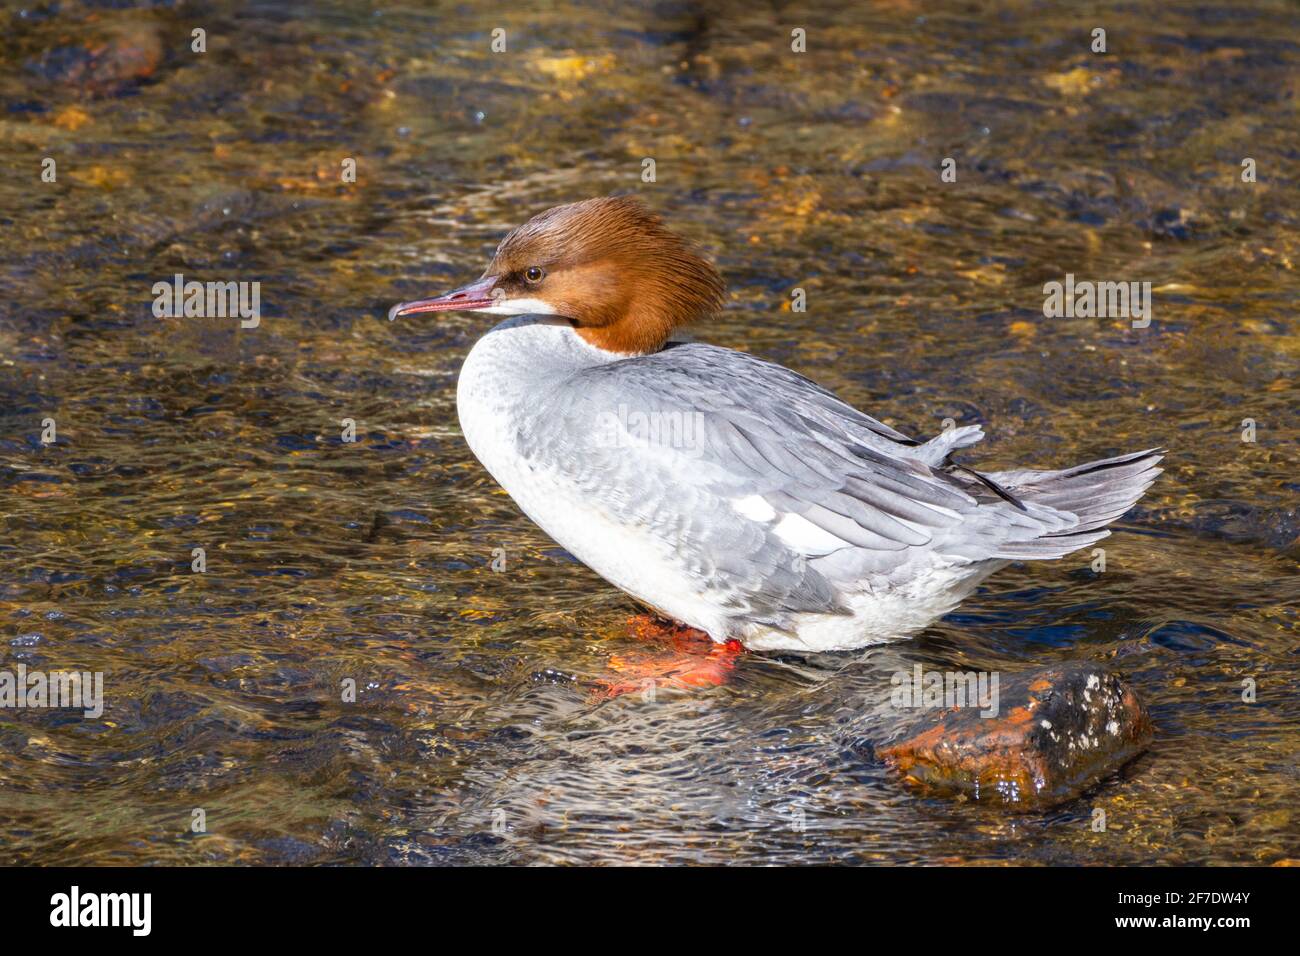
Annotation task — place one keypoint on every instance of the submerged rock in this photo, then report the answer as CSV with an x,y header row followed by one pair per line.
x,y
1060,730
109,66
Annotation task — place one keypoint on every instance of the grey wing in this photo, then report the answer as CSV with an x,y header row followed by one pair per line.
x,y
770,487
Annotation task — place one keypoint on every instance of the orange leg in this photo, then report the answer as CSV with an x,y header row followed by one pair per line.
x,y
685,658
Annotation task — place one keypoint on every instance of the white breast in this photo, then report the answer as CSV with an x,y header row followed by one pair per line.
x,y
498,386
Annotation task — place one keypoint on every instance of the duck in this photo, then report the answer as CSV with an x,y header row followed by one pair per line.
x,y
724,493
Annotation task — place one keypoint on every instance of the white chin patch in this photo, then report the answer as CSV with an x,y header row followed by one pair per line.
x,y
519,307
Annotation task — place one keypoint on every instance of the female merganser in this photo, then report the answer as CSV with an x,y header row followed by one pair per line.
x,y
723,491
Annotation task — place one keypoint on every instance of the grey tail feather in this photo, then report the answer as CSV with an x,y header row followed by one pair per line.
x,y
987,481
1096,493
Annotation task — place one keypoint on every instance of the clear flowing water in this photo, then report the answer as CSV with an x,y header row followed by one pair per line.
x,y
475,736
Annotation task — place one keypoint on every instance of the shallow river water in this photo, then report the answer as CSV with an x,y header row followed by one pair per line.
x,y
476,736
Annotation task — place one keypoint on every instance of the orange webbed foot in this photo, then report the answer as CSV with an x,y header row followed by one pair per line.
x,y
685,658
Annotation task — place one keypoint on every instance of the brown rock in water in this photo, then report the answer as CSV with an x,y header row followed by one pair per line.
x,y
1059,730
130,53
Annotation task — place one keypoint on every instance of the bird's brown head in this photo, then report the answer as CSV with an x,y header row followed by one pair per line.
x,y
608,265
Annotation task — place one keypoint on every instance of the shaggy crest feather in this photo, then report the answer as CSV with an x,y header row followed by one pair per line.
x,y
614,269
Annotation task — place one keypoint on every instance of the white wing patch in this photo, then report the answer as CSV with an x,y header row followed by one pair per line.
x,y
754,507
805,537
794,530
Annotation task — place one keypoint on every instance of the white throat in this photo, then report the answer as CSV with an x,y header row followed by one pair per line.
x,y
507,375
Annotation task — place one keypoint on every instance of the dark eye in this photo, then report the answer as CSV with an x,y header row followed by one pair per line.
x,y
534,274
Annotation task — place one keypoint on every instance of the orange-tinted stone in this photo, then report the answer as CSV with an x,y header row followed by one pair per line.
x,y
1058,731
